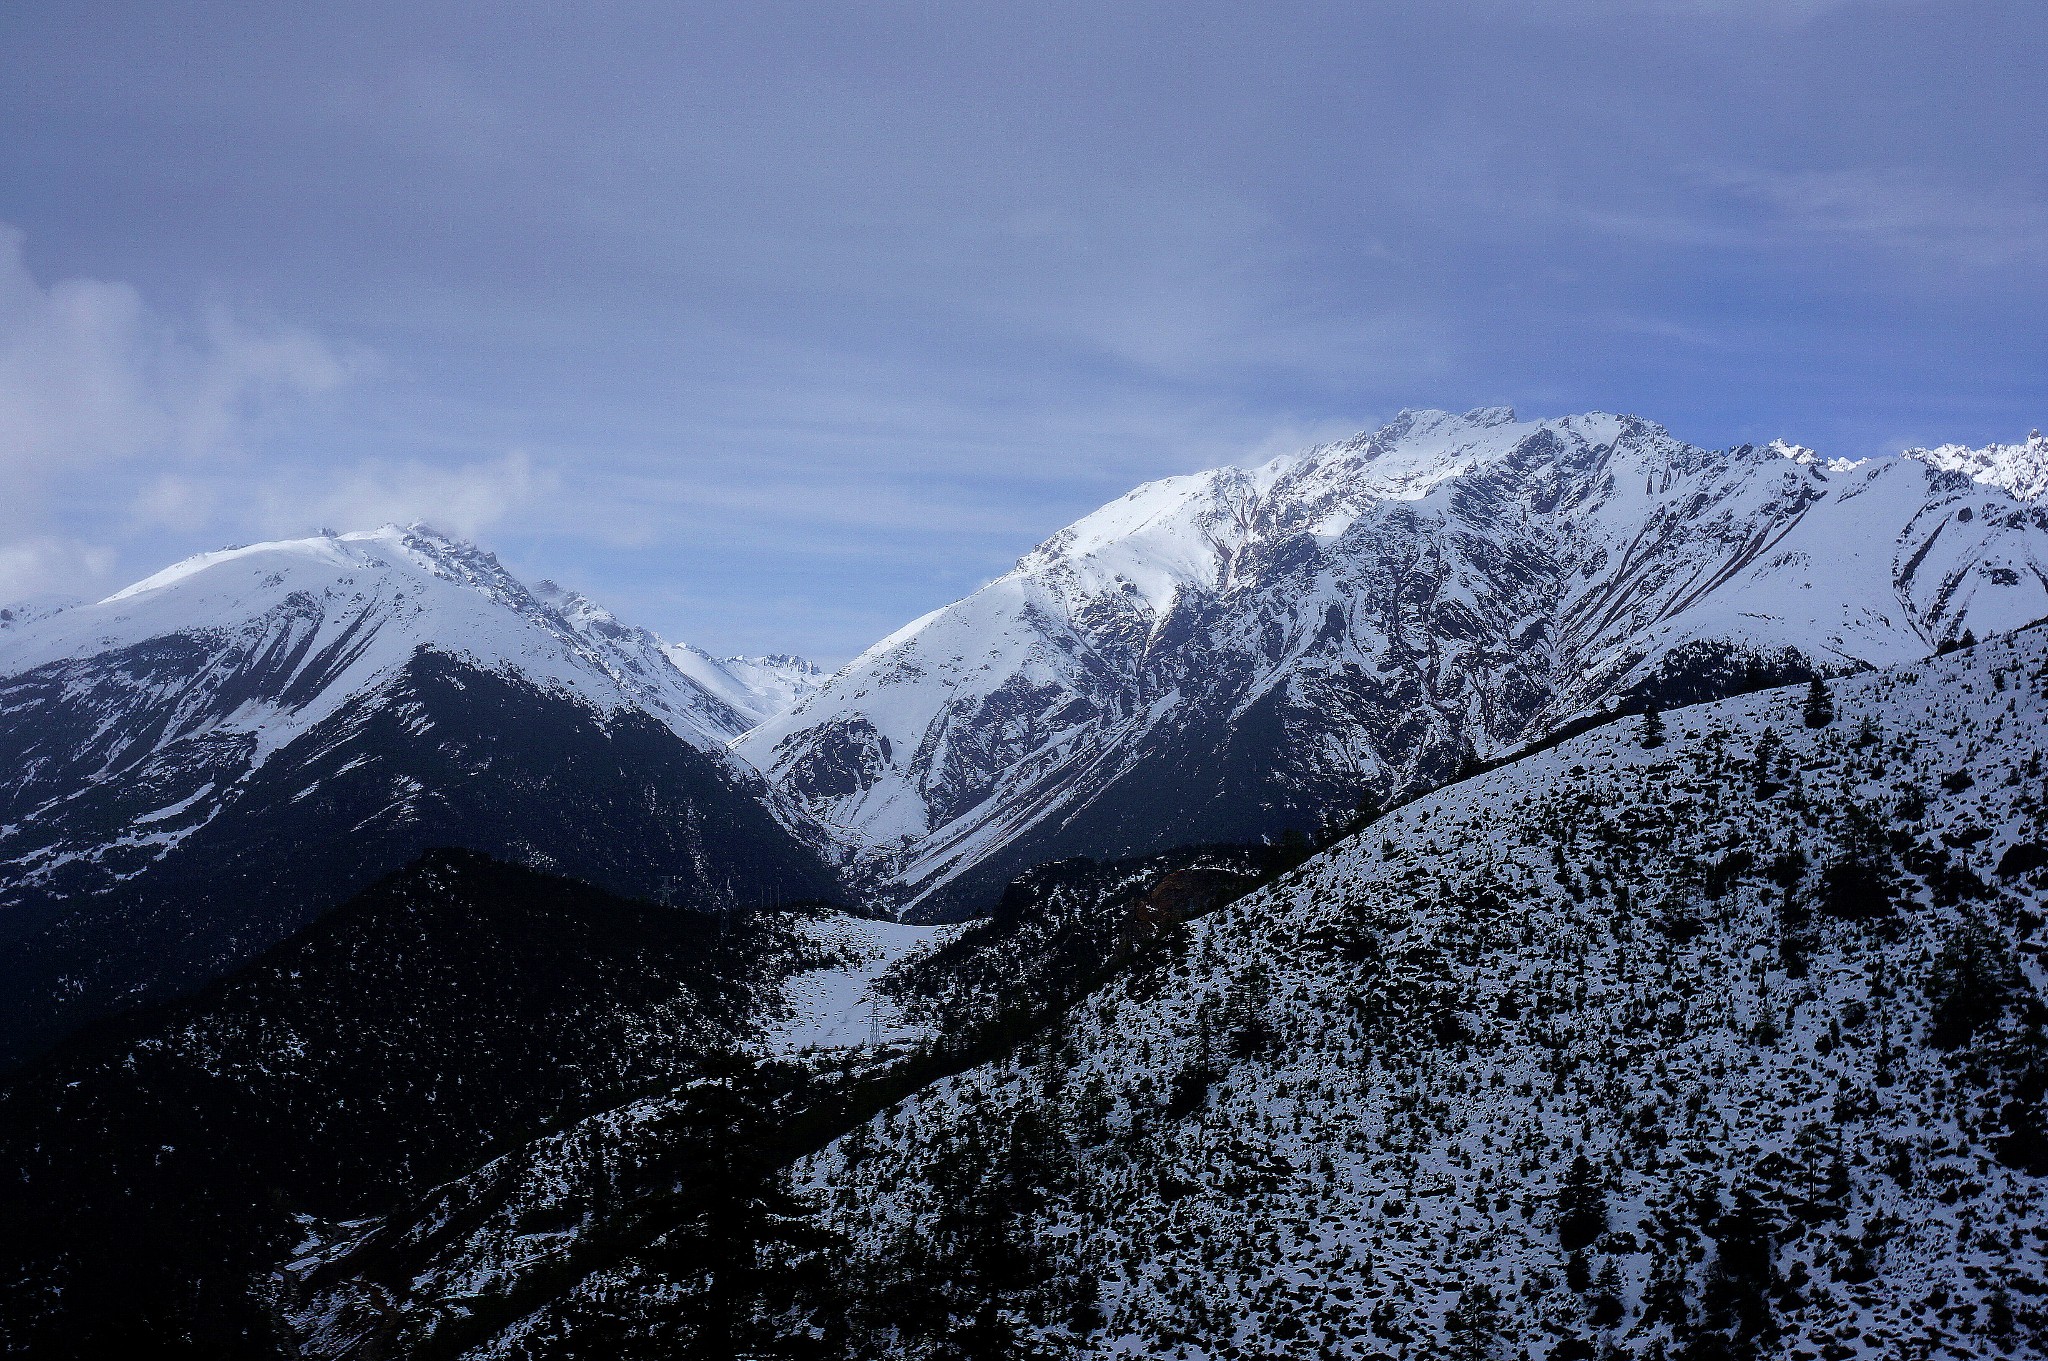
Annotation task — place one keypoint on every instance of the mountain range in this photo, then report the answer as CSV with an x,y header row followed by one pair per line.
x,y
1723,1038
1486,887
1230,654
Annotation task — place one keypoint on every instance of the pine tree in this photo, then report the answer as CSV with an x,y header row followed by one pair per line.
x,y
1820,704
1736,1298
1605,1309
1472,1329
1468,761
1653,727
1581,1206
1967,987
1769,749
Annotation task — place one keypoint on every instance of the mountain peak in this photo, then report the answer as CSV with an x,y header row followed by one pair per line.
x,y
1807,458
1283,637
447,555
2020,469
367,601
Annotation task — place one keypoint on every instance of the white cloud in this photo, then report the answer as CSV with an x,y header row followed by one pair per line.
x,y
48,567
90,375
118,422
99,391
465,499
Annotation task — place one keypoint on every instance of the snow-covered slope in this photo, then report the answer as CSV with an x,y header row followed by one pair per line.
x,y
1776,992
836,1008
1729,1046
757,688
1222,655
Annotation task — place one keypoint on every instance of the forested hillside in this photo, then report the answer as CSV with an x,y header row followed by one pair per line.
x,y
1712,1033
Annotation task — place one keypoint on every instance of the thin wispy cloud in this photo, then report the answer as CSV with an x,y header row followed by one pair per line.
x,y
1901,211
852,305
467,498
47,567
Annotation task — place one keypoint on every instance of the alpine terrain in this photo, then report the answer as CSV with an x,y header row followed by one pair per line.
x,y
200,764
1488,889
1228,655
1716,1033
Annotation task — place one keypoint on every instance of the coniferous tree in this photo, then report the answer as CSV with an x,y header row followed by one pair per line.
x,y
1468,761
1605,1308
1653,727
1966,989
1736,1300
1819,710
1473,1329
1581,1206
1770,749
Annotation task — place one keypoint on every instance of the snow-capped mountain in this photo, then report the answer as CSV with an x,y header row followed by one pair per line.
x,y
1223,655
291,630
213,754
743,691
2021,469
756,688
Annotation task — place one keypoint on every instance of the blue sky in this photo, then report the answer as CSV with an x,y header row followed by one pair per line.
x,y
776,325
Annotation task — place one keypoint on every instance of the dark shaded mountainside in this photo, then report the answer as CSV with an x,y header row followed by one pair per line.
x,y
446,754
1224,778
160,1162
1720,1036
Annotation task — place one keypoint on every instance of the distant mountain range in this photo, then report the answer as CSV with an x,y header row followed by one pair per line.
x,y
401,961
